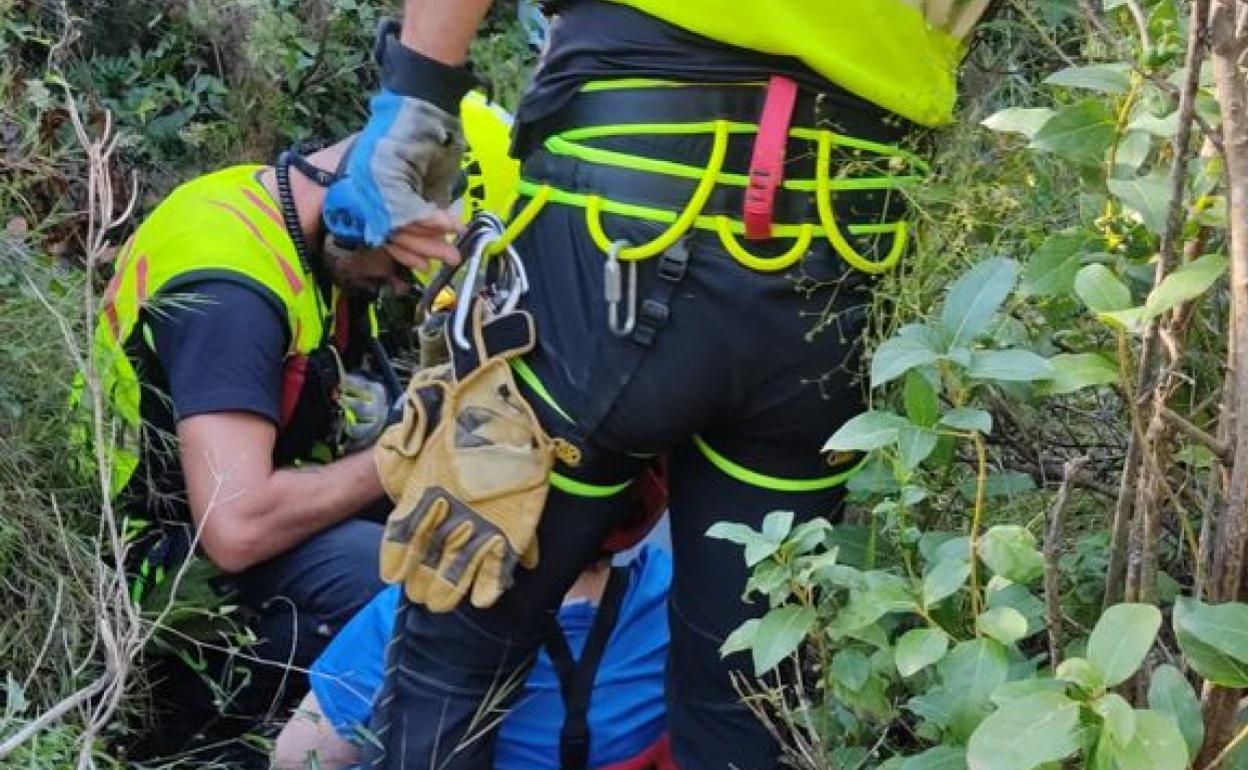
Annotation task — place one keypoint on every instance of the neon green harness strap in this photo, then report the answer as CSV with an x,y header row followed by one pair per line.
x,y
763,481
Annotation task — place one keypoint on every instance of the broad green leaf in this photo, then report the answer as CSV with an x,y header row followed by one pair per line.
x,y
937,758
1118,716
974,669
900,354
1157,745
1148,196
1221,626
1006,484
1170,693
1146,122
1121,640
778,635
1025,688
869,430
1080,672
1008,366
922,404
851,669
1018,120
777,525
1076,371
1210,662
1051,270
1005,624
1005,593
944,579
733,533
1101,290
975,297
877,594
1103,78
1187,282
758,550
968,419
1081,132
1026,733
914,444
919,648
1133,150
740,639
1010,551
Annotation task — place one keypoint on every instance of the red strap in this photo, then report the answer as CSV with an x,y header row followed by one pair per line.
x,y
767,163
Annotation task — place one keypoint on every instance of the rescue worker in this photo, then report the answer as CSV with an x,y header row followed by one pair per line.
x,y
708,187
242,363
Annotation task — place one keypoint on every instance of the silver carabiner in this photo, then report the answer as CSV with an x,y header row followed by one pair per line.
x,y
613,291
468,289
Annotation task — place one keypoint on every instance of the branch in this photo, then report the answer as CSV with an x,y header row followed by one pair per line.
x,y
1052,552
1195,433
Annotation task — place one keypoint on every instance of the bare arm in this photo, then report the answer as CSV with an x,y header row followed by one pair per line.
x,y
442,29
246,510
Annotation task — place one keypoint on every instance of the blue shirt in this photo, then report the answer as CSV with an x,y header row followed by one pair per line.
x,y
626,715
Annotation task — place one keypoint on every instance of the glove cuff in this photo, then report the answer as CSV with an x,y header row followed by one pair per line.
x,y
408,73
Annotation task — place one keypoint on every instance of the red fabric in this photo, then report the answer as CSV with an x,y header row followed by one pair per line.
x,y
657,757
294,373
767,162
649,494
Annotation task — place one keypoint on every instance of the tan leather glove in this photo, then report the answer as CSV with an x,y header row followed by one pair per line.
x,y
469,467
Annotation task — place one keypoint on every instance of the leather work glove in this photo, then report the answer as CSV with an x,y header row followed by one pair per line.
x,y
469,469
405,162
366,411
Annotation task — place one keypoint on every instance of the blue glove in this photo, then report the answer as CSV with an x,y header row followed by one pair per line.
x,y
404,164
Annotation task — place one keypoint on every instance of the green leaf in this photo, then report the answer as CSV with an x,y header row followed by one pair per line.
x,y
1121,640
1171,694
1221,626
968,419
1118,716
1006,484
1103,78
1081,132
975,298
1010,551
914,444
1148,196
899,354
778,635
1018,120
974,669
1051,270
1005,624
1076,371
1157,744
1026,733
1005,593
733,533
919,648
1211,663
937,758
741,639
1189,281
877,594
1080,672
1008,366
944,579
1101,290
869,430
851,669
777,525
922,404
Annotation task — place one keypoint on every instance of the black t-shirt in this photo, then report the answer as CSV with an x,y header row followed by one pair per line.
x,y
595,39
213,346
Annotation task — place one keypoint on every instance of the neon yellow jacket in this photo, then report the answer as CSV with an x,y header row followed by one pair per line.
x,y
882,50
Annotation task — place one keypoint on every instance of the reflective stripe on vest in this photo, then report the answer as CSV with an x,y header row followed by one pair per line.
x,y
884,51
222,226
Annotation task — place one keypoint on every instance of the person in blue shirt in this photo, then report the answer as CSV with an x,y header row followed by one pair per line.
x,y
625,717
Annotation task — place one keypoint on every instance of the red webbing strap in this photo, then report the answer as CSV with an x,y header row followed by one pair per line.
x,y
767,162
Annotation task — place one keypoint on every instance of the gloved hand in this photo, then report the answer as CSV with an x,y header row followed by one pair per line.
x,y
366,411
405,162
469,467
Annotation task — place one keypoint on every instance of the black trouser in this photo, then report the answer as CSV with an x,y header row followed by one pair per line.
x,y
743,362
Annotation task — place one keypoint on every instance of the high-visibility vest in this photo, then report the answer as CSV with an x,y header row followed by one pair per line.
x,y
884,51
220,227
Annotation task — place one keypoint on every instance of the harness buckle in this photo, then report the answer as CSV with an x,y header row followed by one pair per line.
x,y
654,315
614,294
674,263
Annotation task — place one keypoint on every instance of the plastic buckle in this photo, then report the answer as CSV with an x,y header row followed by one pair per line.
x,y
651,317
674,263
